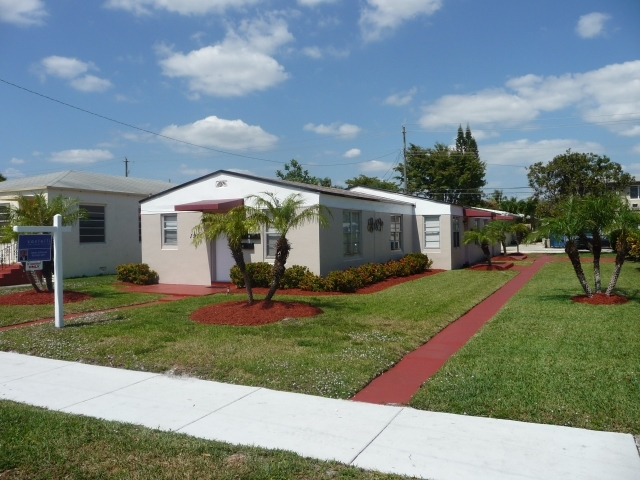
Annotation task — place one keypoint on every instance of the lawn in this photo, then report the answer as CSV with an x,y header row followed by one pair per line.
x,y
102,289
545,359
334,354
74,446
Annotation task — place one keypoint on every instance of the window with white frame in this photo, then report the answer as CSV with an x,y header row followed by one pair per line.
x,y
634,191
455,228
170,230
92,227
432,231
271,236
4,214
396,232
351,233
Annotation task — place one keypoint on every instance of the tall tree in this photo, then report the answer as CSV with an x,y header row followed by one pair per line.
x,y
577,174
293,172
451,175
36,210
283,215
373,182
2,178
234,225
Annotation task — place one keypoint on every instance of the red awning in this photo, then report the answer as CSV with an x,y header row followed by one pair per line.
x,y
472,212
210,206
503,217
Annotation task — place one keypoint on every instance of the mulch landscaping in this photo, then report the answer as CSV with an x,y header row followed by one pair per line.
x,y
260,313
31,297
600,299
483,267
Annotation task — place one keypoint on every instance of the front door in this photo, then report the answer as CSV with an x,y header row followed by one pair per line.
x,y
223,260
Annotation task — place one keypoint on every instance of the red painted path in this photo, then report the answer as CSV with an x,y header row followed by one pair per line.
x,y
400,383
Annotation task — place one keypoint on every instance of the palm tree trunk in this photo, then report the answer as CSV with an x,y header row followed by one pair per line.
x,y
487,253
620,256
504,246
283,247
33,279
238,256
517,245
571,250
596,249
47,273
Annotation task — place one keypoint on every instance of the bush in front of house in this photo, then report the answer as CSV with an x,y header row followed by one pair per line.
x,y
260,274
137,273
293,276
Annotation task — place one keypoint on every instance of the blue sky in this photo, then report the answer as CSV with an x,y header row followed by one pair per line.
x,y
327,82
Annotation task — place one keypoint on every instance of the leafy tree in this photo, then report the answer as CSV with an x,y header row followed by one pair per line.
x,y
574,174
451,175
624,223
501,228
2,178
373,182
234,225
485,237
283,215
293,172
520,232
36,210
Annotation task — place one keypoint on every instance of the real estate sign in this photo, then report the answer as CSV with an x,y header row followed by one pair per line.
x,y
34,248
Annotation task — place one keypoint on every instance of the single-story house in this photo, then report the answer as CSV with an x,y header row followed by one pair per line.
x,y
366,225
110,235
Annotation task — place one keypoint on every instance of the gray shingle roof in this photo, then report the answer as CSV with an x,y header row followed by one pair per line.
x,y
87,181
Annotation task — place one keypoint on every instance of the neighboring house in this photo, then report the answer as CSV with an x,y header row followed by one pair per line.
x,y
110,235
364,227
632,195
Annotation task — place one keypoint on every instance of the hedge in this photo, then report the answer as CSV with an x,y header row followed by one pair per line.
x,y
138,273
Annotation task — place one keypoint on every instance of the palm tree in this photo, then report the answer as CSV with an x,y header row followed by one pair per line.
x,y
283,215
234,225
569,222
501,228
520,232
36,210
625,221
485,237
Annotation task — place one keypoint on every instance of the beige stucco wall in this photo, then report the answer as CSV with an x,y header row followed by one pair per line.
x,y
183,263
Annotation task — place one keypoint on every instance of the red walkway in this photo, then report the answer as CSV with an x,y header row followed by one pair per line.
x,y
400,383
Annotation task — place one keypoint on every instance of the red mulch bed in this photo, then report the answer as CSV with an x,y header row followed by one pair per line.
x,y
31,297
376,287
600,299
260,313
483,267
508,258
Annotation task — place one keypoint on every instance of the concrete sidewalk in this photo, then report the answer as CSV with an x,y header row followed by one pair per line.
x,y
385,438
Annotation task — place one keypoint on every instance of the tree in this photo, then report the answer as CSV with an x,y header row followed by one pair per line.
x,y
501,228
2,178
294,173
36,210
283,215
451,175
373,182
624,223
520,232
485,237
234,225
577,174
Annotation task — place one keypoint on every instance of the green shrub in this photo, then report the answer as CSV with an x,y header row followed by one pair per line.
x,y
346,281
293,276
260,273
138,273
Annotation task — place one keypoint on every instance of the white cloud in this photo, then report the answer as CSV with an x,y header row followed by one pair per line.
x,y
185,170
12,173
347,130
240,170
636,149
183,7
592,24
313,3
318,53
353,153
375,166
220,133
22,12
313,52
80,156
608,95
70,69
484,134
401,98
17,161
525,152
383,16
240,64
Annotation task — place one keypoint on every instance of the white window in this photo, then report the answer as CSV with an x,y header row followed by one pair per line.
x,y
455,228
396,232
92,227
432,231
170,229
4,214
351,233
272,236
634,191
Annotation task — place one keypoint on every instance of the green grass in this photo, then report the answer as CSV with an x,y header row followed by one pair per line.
x,y
102,289
334,354
546,359
40,444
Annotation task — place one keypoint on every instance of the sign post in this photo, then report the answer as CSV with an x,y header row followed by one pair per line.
x,y
57,230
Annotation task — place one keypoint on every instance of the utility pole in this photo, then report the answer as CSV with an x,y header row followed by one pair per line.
x,y
126,167
404,158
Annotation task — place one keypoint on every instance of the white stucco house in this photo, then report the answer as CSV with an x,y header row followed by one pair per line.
x,y
366,225
110,235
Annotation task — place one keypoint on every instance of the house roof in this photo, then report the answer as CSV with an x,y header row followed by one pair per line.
x,y
74,180
284,183
210,206
406,195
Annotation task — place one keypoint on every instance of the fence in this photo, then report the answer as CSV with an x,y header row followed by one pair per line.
x,y
8,253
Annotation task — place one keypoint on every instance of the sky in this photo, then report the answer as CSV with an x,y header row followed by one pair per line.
x,y
182,88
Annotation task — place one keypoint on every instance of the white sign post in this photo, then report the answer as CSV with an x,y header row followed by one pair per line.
x,y
57,230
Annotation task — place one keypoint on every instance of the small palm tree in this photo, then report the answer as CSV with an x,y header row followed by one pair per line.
x,y
283,215
485,237
233,225
36,210
625,222
501,228
520,232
